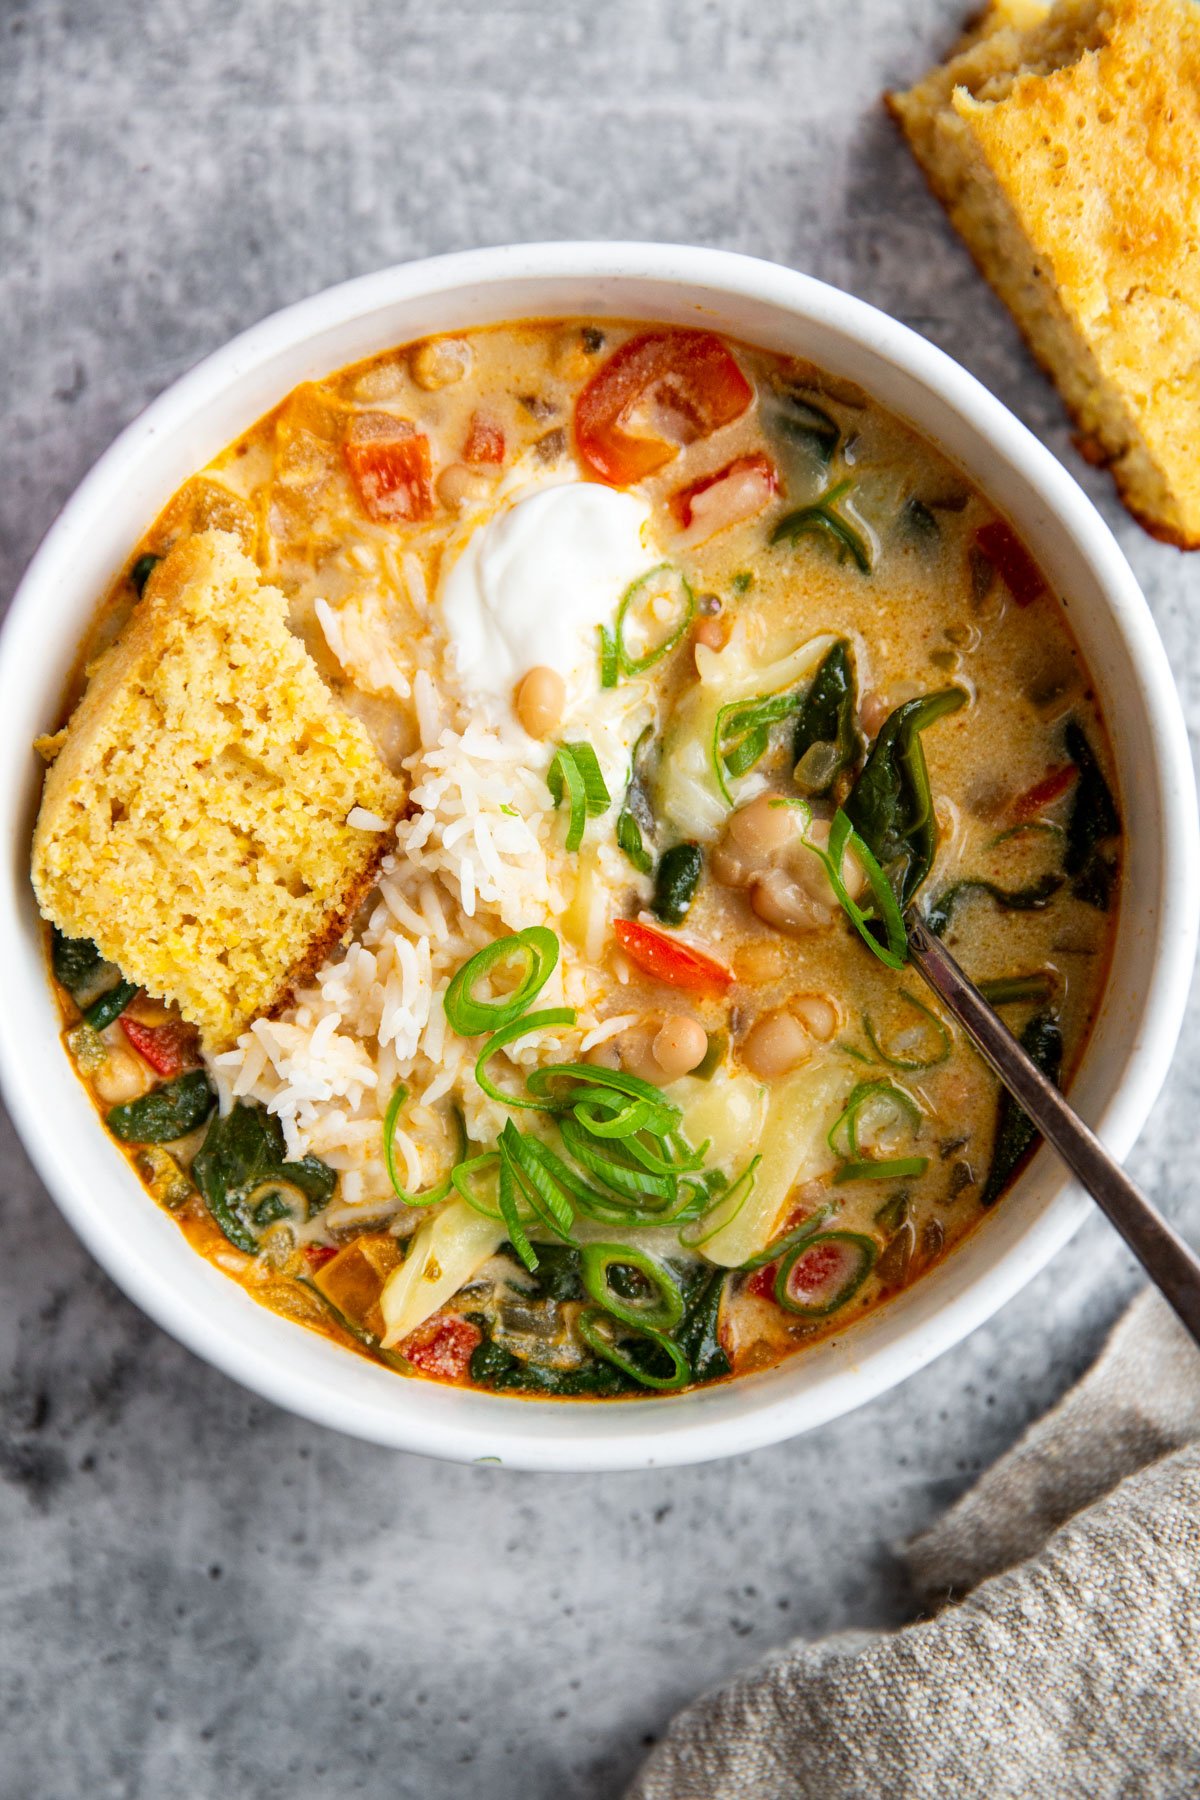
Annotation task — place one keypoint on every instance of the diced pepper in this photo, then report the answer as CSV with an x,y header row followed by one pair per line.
x,y
352,1281
391,469
669,959
484,442
659,391
169,1048
1052,786
736,492
317,1255
442,1347
1011,560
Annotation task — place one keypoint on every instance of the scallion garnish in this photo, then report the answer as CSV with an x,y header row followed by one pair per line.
x,y
660,1309
508,1034
729,1204
599,1332
430,1196
745,725
898,1168
846,1122
842,836
854,1259
822,519
663,581
535,952
1010,990
629,839
575,774
904,1059
610,667
510,1211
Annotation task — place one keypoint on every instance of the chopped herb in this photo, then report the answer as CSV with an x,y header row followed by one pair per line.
x,y
742,581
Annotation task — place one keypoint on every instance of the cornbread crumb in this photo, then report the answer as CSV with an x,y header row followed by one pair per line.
x,y
1064,143
195,822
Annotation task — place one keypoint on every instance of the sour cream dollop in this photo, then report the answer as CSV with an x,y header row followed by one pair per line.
x,y
532,583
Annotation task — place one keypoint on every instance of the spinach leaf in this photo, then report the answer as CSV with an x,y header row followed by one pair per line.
x,y
142,570
803,422
636,815
675,884
557,1275
1015,1134
493,1366
826,716
167,1112
917,521
890,805
1093,820
110,1005
696,1333
76,961
1034,898
241,1153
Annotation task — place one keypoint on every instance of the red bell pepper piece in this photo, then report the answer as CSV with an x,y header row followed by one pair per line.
x,y
317,1255
755,479
442,1347
485,440
660,390
169,1048
1011,560
1052,786
391,469
668,959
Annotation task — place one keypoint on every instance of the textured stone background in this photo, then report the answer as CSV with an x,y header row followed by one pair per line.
x,y
202,1596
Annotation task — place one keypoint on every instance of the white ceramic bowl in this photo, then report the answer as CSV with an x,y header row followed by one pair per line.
x,y
1134,1037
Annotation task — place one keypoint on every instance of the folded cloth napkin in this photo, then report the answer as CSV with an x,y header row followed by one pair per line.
x,y
1069,1667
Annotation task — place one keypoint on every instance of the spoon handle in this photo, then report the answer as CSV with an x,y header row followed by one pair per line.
x,y
1170,1263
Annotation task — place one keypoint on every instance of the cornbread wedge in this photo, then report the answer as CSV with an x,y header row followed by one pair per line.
x,y
1064,143
194,823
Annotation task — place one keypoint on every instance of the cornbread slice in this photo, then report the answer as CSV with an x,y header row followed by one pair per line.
x,y
194,822
1064,143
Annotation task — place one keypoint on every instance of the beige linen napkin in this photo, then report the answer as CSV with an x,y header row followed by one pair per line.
x,y
1072,1665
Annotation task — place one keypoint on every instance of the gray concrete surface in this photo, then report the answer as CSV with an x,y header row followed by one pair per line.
x,y
201,1597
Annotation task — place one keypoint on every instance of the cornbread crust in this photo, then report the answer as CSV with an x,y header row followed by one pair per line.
x,y
194,822
1066,150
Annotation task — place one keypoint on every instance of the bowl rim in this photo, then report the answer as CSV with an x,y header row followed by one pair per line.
x,y
379,1414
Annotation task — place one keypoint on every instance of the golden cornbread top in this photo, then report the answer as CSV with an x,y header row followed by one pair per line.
x,y
194,823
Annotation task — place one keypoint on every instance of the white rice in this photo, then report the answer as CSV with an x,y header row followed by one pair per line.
x,y
478,856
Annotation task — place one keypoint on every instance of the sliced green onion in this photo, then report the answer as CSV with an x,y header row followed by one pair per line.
x,y
746,726
629,839
847,1120
596,1328
595,787
857,1250
540,1082
842,835
564,777
714,1056
912,1063
508,1034
638,665
463,1177
1011,990
797,1235
535,948
699,1231
428,1196
898,1168
510,1212
617,1171
822,520
663,1308
607,1115
542,1192
610,666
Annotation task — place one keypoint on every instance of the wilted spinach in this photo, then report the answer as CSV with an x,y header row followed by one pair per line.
x,y
1015,1133
1034,898
826,716
697,1332
167,1112
241,1154
1093,820
890,805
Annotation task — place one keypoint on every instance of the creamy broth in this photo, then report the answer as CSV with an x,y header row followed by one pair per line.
x,y
825,1135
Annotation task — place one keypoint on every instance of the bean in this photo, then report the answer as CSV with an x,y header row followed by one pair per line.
x,y
774,1045
123,1077
763,828
439,362
680,1045
541,697
457,486
710,632
818,1015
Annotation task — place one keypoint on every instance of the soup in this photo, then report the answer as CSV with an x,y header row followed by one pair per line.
x,y
698,667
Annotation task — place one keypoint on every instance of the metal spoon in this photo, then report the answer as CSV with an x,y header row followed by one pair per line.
x,y
1170,1263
